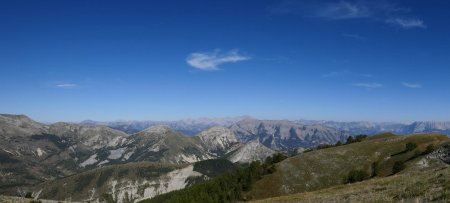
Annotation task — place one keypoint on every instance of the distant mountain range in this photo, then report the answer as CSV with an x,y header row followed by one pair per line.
x,y
186,126
195,126
372,128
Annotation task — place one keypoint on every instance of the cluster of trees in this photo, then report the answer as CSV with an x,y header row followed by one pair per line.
x,y
229,187
214,167
411,146
398,166
358,138
356,176
360,175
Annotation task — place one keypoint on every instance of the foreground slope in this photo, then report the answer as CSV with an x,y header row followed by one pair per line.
x,y
327,167
425,179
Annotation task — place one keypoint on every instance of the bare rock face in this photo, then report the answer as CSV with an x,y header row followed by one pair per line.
x,y
121,183
218,140
251,151
286,135
428,127
163,144
373,128
442,154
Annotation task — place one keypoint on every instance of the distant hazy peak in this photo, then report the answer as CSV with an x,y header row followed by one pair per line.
x,y
216,131
159,129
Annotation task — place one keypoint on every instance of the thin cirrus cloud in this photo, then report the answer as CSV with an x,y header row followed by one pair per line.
x,y
343,10
407,23
212,60
368,85
411,85
374,11
66,85
346,73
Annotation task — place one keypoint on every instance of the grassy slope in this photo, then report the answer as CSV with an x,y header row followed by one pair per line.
x,y
327,167
415,184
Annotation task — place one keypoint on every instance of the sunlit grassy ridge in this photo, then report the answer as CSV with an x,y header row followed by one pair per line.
x,y
413,185
328,167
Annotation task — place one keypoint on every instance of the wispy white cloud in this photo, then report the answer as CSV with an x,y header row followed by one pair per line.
x,y
343,10
66,85
368,85
346,73
412,85
375,11
407,23
212,60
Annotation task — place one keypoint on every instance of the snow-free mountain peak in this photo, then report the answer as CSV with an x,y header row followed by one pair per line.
x,y
218,140
250,151
158,129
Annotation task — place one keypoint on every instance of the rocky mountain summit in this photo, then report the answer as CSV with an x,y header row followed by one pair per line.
x,y
249,152
218,140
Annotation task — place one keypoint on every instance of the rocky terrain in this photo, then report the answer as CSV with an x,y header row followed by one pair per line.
x,y
372,128
126,182
249,152
31,153
286,135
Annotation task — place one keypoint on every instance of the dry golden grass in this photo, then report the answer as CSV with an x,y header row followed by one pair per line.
x,y
430,185
321,169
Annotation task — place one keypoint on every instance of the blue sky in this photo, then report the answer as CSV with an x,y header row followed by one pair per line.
x,y
163,60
